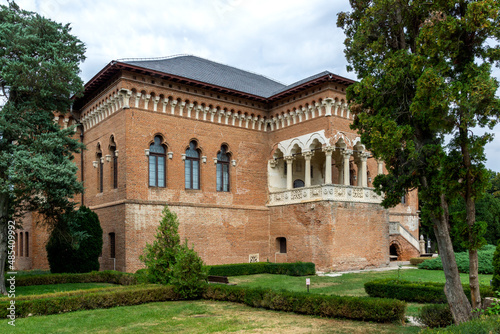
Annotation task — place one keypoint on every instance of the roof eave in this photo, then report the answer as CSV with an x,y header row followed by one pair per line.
x,y
329,77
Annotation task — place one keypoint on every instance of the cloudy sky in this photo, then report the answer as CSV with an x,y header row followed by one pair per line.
x,y
286,40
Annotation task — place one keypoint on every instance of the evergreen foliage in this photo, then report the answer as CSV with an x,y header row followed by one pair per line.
x,y
39,62
159,257
415,291
188,272
425,73
495,282
238,269
75,243
485,258
169,262
437,315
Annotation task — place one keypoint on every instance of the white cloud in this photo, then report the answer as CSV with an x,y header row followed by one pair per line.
x,y
286,40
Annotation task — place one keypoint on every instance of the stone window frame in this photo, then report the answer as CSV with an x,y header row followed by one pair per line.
x,y
114,162
112,245
189,160
157,155
223,162
100,169
281,245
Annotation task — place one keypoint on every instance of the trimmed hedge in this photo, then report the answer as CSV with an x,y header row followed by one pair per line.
x,y
417,260
483,325
435,315
108,276
88,301
240,269
356,308
419,292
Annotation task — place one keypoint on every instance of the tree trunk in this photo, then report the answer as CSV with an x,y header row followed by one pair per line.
x,y
4,237
475,294
459,305
470,209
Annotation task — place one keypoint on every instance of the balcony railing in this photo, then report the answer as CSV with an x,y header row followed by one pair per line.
x,y
397,228
326,192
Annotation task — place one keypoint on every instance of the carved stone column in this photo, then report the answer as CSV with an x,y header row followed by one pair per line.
x,y
189,108
156,99
346,154
125,95
137,99
307,157
181,108
173,103
328,103
318,108
289,172
328,164
380,167
164,102
361,162
147,97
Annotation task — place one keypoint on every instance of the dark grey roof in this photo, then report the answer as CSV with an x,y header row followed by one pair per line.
x,y
300,82
213,73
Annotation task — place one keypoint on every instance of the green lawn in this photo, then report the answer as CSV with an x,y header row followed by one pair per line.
x,y
215,317
193,317
347,284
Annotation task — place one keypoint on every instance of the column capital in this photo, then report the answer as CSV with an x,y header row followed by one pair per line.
x,y
289,158
328,149
307,155
363,156
346,153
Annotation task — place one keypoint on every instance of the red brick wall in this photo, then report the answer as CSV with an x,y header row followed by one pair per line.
x,y
332,235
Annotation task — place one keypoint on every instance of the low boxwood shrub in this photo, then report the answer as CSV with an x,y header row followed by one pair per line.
x,y
88,301
357,308
108,276
482,325
485,259
240,269
418,292
435,315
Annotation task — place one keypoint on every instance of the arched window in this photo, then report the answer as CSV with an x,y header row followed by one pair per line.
x,y
27,241
157,160
223,169
114,163
100,169
192,167
298,183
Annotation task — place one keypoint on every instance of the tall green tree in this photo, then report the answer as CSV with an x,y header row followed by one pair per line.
x,y
425,72
75,242
39,66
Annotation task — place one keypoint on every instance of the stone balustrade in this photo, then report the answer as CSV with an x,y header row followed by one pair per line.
x,y
325,192
397,228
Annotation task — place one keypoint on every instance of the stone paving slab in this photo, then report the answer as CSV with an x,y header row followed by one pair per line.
x,y
392,266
